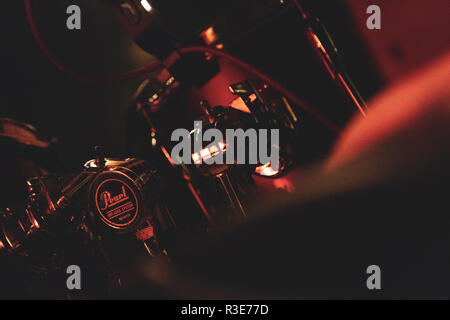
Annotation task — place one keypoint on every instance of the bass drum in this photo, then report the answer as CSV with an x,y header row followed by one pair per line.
x,y
24,154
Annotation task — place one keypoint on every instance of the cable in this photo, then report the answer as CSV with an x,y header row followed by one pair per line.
x,y
152,67
291,96
82,77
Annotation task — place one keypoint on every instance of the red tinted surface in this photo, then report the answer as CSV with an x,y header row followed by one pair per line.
x,y
401,109
413,33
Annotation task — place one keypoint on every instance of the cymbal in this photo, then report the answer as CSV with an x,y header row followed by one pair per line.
x,y
22,133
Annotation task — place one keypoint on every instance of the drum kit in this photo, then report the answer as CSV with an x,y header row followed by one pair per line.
x,y
145,204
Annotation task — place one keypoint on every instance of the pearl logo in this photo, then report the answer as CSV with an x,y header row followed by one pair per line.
x,y
116,203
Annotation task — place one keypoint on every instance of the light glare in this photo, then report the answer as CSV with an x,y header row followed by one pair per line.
x,y
146,5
